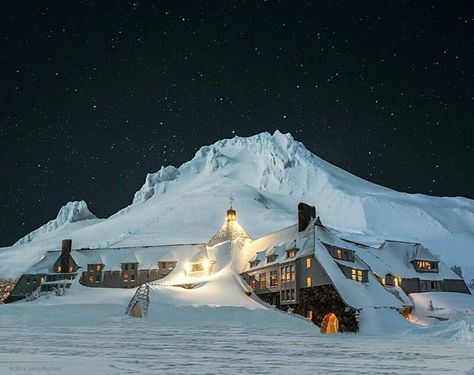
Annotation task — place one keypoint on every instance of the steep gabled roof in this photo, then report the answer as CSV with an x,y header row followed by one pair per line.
x,y
277,243
230,230
354,293
422,253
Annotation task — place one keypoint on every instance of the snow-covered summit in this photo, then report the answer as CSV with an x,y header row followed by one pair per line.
x,y
268,175
71,212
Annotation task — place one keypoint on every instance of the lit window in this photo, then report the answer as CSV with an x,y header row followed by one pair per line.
x,y
292,273
309,315
291,253
263,280
97,267
357,275
125,278
197,267
339,253
91,278
309,281
283,275
308,262
426,266
70,269
253,282
273,279
58,269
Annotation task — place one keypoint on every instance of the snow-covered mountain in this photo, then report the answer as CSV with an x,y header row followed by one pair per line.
x,y
267,175
71,212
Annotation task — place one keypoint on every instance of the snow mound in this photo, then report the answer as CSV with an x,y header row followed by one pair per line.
x,y
71,212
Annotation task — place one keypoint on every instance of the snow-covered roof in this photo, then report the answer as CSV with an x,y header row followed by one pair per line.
x,y
229,231
276,244
354,293
421,253
112,258
394,257
390,257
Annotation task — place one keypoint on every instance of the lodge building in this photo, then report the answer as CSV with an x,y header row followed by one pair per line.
x,y
308,268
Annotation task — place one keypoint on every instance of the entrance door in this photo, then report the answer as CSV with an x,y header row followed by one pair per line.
x,y
330,324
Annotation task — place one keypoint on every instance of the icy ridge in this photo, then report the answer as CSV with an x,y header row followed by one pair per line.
x,y
155,183
71,212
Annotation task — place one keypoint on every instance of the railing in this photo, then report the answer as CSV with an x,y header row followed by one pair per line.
x,y
141,299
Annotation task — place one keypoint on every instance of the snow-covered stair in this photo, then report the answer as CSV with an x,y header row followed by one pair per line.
x,y
138,305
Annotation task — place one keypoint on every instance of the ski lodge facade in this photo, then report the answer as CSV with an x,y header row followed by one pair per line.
x,y
307,268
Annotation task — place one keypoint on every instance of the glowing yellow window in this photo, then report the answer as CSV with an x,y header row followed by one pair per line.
x,y
309,315
308,262
338,253
58,268
309,281
359,275
70,269
97,267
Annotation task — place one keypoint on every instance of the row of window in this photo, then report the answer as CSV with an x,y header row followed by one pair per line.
x,y
59,269
34,280
426,266
291,253
343,254
288,295
287,273
127,266
427,286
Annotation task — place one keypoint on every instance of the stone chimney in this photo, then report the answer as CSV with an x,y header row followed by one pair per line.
x,y
65,254
305,214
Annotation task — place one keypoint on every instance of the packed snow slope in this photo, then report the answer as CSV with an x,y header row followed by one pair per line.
x,y
267,175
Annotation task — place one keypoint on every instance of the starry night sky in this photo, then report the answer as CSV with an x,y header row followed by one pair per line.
x,y
94,95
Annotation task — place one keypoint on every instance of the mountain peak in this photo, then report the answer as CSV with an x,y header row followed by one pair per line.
x,y
71,212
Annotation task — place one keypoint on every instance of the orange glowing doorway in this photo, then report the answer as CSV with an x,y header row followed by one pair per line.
x,y
330,324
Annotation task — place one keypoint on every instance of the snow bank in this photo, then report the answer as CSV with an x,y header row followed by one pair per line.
x,y
383,321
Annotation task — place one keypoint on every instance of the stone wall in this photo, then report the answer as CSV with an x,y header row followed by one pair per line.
x,y
6,286
271,298
323,300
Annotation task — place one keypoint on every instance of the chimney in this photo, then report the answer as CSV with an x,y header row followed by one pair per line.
x,y
305,214
65,253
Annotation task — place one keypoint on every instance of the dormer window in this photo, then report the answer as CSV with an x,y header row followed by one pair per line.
x,y
343,254
271,258
357,275
426,266
253,263
291,253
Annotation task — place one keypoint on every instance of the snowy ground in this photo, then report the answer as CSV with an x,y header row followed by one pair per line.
x,y
56,336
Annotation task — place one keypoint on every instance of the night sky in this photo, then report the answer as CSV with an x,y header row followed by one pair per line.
x,y
93,95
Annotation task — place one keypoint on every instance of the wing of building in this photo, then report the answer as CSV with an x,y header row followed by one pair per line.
x,y
314,271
